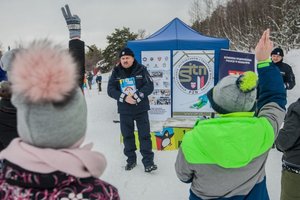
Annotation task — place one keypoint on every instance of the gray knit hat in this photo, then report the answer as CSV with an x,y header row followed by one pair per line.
x,y
51,109
234,93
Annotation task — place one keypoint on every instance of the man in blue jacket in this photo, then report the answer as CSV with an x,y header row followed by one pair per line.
x,y
130,84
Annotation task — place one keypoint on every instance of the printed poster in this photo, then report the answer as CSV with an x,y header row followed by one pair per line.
x,y
234,62
128,86
158,64
193,77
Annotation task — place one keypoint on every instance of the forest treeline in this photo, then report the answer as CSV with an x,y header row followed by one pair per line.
x,y
243,21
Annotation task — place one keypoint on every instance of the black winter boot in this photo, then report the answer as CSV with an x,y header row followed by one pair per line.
x,y
150,168
130,166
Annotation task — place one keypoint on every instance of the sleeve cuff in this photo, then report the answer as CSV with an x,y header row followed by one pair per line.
x,y
122,97
188,181
137,98
264,63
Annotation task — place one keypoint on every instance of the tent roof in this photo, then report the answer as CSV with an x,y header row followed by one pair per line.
x,y
178,30
178,35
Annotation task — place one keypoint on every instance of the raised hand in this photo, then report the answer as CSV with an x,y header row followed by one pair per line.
x,y
73,22
264,46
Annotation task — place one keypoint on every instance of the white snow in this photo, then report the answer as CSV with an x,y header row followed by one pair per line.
x,y
163,183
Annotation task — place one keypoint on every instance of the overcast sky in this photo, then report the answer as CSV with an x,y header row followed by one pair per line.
x,y
24,20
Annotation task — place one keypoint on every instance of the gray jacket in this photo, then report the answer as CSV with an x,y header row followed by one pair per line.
x,y
213,181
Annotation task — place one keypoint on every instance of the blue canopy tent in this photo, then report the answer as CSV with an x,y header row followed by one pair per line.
x,y
177,35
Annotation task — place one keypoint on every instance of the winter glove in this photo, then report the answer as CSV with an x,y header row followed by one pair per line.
x,y
73,22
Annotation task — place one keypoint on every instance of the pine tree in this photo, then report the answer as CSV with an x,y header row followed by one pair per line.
x,y
116,41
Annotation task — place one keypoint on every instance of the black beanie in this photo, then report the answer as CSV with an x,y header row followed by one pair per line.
x,y
277,51
126,52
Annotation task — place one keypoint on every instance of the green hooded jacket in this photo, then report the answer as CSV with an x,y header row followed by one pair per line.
x,y
231,141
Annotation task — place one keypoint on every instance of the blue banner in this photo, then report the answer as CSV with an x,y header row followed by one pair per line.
x,y
234,62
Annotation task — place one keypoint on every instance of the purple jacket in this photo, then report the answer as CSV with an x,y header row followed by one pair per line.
x,y
18,183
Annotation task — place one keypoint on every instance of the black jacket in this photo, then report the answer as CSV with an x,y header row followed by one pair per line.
x,y
98,79
8,123
288,140
76,48
287,75
144,86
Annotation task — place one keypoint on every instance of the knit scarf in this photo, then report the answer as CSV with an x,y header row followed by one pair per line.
x,y
80,162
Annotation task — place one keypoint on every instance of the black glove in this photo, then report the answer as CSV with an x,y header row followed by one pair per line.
x,y
73,22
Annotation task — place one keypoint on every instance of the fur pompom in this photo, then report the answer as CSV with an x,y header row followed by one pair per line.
x,y
247,82
43,73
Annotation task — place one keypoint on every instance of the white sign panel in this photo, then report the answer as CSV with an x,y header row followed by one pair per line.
x,y
193,77
158,65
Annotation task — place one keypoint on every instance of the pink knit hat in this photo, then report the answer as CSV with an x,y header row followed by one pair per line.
x,y
51,109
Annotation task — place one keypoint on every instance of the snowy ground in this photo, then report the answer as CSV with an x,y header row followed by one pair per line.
x,y
163,183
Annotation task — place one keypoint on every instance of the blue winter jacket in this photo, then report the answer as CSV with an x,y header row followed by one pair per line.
x,y
2,75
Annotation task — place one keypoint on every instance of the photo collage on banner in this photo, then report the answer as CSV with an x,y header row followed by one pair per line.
x,y
193,72
158,65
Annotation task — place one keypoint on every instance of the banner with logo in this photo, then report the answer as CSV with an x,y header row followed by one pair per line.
x,y
158,64
193,77
234,62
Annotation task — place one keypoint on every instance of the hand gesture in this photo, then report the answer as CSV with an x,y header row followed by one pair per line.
x,y
264,46
73,22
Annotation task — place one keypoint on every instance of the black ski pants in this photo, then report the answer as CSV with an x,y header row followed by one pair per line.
x,y
127,129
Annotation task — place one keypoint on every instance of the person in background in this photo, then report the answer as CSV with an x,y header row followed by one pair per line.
x,y
288,142
89,77
225,157
285,69
99,80
47,160
2,72
133,106
8,112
